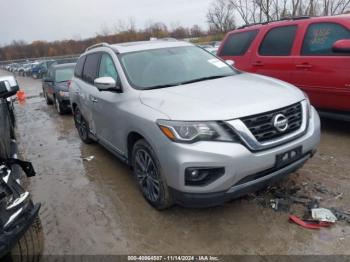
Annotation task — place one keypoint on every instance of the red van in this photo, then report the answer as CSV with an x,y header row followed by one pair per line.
x,y
311,53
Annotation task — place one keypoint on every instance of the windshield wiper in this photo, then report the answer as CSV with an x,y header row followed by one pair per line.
x,y
162,86
204,78
187,82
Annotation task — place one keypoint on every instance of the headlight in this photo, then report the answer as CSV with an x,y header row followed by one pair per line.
x,y
63,94
309,108
190,132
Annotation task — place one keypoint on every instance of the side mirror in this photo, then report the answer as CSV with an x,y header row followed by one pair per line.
x,y
8,86
341,46
230,62
106,83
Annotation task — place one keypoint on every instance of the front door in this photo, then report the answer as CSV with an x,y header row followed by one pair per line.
x,y
107,108
48,84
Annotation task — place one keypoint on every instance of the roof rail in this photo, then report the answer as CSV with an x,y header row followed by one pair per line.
x,y
163,39
286,18
300,17
97,45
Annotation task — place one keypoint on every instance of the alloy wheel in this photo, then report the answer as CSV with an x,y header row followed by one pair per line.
x,y
147,175
80,125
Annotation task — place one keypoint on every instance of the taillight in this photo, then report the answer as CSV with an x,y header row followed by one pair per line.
x,y
68,83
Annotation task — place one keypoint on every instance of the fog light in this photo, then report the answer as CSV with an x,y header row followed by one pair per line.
x,y
201,176
194,174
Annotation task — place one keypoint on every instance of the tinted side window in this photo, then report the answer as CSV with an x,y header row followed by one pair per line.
x,y
91,67
278,41
238,44
78,72
107,67
320,38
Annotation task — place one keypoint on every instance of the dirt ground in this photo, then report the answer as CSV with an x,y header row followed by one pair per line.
x,y
95,207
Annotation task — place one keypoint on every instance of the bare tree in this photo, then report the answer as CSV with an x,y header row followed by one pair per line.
x,y
258,11
196,31
220,16
333,7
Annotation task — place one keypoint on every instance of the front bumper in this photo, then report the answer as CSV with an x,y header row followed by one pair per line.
x,y
19,213
236,191
239,163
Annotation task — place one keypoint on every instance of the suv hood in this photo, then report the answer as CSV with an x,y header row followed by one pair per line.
x,y
222,99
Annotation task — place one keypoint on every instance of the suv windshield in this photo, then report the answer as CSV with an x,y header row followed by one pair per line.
x,y
174,66
64,74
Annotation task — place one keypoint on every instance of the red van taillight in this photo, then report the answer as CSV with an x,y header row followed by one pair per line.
x,y
68,83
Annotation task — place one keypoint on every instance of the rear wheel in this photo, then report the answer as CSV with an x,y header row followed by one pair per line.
x,y
47,99
30,247
149,176
59,107
82,127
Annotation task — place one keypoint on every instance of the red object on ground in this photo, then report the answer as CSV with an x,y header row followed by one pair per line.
x,y
309,224
21,95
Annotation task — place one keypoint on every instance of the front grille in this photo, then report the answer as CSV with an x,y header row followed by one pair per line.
x,y
262,127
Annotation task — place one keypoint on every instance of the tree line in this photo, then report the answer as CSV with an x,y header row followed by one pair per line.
x,y
222,16
119,33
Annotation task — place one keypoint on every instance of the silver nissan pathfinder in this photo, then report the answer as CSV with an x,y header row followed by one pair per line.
x,y
195,130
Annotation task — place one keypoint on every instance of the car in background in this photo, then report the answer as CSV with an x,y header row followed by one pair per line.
x,y
310,53
24,68
195,130
21,236
40,69
29,68
13,67
56,86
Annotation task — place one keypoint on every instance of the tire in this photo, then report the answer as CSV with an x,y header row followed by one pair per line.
x,y
149,176
82,127
59,108
47,99
13,121
30,247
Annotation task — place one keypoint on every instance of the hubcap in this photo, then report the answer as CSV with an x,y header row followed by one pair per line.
x,y
147,175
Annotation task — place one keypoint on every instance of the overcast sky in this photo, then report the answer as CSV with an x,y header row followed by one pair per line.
x,y
50,20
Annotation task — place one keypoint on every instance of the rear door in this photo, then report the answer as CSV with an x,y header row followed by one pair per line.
x,y
107,114
321,73
274,56
236,47
88,90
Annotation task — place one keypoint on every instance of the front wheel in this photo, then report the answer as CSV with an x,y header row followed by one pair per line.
x,y
82,127
149,176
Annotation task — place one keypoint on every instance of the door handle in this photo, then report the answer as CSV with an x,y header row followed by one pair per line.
x,y
258,63
303,66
